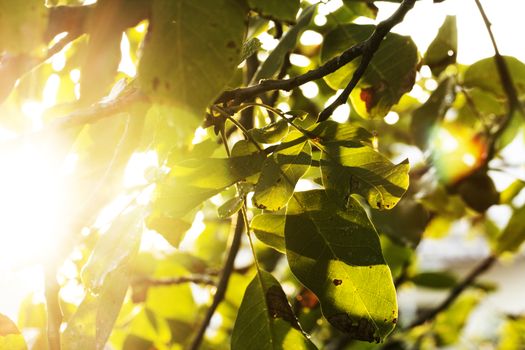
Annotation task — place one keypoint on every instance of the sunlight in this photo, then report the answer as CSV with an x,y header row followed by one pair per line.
x,y
30,191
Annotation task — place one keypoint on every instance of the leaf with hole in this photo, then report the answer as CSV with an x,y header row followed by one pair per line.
x,y
334,250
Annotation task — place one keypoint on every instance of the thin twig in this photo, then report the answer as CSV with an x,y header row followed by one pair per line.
x,y
456,291
155,282
243,94
54,314
370,46
505,77
223,282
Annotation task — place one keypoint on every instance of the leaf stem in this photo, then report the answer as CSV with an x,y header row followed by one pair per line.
x,y
54,314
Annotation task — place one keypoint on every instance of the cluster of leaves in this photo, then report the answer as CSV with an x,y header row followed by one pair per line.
x,y
322,198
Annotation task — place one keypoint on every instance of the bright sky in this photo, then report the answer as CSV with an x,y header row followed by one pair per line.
x,y
423,21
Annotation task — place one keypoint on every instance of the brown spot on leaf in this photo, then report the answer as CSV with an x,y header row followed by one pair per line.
x,y
230,44
394,321
367,95
155,83
337,282
278,306
361,329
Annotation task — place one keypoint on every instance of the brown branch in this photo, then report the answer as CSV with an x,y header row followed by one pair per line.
x,y
243,94
367,47
223,282
456,291
370,46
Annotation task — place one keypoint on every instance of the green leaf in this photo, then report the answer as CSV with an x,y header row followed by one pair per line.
x,y
355,168
103,51
435,280
280,174
249,48
266,320
191,47
356,9
230,207
276,9
426,117
114,248
269,229
484,74
443,49
191,182
333,132
385,80
23,25
92,323
514,233
335,252
275,60
508,194
270,133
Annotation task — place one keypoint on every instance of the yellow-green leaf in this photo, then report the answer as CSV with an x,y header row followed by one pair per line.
x,y
335,252
266,320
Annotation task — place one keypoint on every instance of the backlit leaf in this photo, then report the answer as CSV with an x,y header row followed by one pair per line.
x,y
514,233
92,323
191,46
23,25
266,320
280,173
484,74
275,60
443,49
10,337
270,133
276,9
335,252
230,207
354,168
385,80
269,229
114,248
426,117
191,182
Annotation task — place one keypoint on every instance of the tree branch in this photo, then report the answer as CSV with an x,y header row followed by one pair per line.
x,y
155,282
456,291
223,282
370,47
366,48
243,94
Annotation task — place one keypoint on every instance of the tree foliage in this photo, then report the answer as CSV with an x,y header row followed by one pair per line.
x,y
279,223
